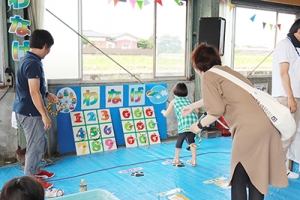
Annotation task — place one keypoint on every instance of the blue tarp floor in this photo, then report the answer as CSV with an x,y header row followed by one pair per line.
x,y
146,173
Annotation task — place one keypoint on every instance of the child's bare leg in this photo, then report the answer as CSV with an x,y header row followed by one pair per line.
x,y
193,150
177,154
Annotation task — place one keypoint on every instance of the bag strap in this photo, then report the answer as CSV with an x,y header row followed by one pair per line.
x,y
233,79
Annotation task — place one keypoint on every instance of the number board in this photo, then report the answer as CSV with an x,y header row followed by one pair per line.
x,y
140,126
93,131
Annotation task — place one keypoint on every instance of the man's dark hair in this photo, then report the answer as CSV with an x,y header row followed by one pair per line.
x,y
180,90
39,38
23,188
296,25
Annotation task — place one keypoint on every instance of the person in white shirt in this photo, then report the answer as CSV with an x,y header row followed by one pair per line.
x,y
286,80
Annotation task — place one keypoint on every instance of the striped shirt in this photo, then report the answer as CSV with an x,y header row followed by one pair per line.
x,y
184,122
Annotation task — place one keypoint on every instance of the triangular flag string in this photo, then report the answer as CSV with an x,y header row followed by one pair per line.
x,y
159,1
272,26
146,2
279,26
253,18
264,24
140,3
230,6
132,2
115,2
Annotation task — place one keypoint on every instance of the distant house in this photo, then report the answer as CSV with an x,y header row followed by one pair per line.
x,y
119,41
99,40
125,41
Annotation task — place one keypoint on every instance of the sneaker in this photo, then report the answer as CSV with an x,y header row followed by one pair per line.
x,y
45,174
192,163
51,193
45,184
292,175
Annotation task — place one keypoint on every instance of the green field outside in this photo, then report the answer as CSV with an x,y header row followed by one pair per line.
x,y
140,63
245,62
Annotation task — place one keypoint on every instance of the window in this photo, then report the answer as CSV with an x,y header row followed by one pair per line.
x,y
118,35
257,33
286,21
125,46
170,43
63,61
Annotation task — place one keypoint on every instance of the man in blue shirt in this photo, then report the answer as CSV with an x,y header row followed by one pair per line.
x,y
29,104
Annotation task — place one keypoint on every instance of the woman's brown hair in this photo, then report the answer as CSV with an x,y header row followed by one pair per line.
x,y
205,57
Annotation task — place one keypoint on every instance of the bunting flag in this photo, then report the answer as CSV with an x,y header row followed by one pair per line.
x,y
115,2
132,2
253,18
272,26
230,6
223,1
140,3
146,2
159,1
279,26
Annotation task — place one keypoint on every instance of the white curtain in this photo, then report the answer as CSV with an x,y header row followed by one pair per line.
x,y
36,10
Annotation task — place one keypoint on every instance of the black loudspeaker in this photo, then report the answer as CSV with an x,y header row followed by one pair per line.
x,y
212,31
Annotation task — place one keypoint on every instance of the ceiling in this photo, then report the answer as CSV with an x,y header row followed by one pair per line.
x,y
287,2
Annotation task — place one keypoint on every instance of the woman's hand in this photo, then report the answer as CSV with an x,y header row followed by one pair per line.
x,y
194,128
186,110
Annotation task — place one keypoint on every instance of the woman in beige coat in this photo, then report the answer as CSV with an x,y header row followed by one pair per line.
x,y
257,158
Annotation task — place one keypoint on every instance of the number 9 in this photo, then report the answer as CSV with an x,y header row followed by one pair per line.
x,y
109,143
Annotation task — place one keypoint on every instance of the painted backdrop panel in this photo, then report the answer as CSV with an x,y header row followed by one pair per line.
x,y
112,97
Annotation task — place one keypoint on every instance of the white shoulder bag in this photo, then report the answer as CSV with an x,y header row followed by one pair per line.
x,y
278,114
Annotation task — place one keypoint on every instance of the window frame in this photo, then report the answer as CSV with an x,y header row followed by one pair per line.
x,y
262,7
80,80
